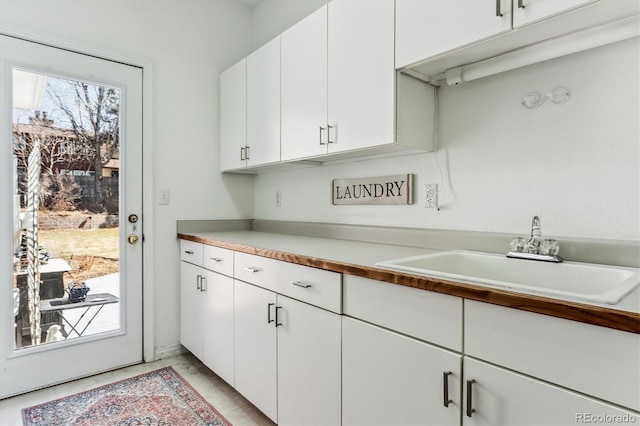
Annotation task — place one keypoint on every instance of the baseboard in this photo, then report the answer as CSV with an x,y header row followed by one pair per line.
x,y
169,351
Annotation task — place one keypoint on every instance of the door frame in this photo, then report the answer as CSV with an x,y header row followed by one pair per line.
x,y
148,324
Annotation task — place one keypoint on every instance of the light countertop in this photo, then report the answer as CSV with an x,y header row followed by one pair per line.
x,y
359,258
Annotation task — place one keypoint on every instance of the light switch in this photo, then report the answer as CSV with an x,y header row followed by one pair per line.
x,y
163,197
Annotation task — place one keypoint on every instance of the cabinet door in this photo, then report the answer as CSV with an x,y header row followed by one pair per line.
x,y
233,116
263,104
527,11
191,308
427,28
217,324
501,397
361,74
392,379
308,364
304,87
255,346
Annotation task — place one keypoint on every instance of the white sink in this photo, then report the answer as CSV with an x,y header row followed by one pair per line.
x,y
584,281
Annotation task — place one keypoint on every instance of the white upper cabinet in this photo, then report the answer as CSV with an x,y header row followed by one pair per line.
x,y
263,105
338,80
527,11
233,116
304,87
427,28
433,36
361,74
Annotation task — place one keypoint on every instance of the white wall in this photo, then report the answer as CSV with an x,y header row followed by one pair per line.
x,y
575,165
272,17
189,42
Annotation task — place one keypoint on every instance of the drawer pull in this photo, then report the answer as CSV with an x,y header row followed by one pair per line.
x,y
470,409
445,379
252,269
521,4
269,320
188,251
301,284
498,9
216,259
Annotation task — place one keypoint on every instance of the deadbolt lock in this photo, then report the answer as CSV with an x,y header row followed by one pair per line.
x,y
133,218
133,238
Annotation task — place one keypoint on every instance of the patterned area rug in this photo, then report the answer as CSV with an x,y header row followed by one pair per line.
x,y
158,398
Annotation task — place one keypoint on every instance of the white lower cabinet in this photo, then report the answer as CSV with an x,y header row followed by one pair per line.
x,y
255,346
391,379
312,347
191,309
217,322
206,318
495,396
309,367
287,357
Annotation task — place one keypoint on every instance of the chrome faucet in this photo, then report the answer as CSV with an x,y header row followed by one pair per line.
x,y
533,245
536,247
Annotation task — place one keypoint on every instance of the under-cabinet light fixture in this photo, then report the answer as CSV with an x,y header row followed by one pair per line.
x,y
578,41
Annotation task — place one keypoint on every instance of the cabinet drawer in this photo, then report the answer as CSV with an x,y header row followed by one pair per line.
x,y
425,315
591,359
257,270
191,252
218,260
311,285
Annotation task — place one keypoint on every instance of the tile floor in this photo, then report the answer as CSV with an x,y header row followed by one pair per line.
x,y
223,397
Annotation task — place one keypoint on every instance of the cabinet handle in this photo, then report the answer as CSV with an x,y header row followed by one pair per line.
x,y
498,9
277,320
301,284
252,269
445,379
203,283
269,320
247,153
242,154
199,282
216,259
329,134
188,251
470,408
321,130
520,4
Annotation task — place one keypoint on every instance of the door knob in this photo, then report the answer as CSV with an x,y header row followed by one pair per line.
x,y
133,238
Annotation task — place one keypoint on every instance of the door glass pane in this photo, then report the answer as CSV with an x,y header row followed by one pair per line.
x,y
66,145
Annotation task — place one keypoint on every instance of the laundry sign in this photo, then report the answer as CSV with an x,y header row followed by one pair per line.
x,y
373,190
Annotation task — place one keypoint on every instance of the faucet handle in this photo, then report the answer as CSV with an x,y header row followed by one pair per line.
x,y
549,247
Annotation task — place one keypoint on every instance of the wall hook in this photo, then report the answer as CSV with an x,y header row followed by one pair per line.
x,y
557,96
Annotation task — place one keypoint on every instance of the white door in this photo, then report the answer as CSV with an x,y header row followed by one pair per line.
x,y
263,105
50,103
389,378
425,29
528,11
233,116
361,74
495,396
304,87
255,346
309,364
191,308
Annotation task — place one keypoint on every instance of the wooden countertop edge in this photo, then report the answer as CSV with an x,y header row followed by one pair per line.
x,y
596,315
